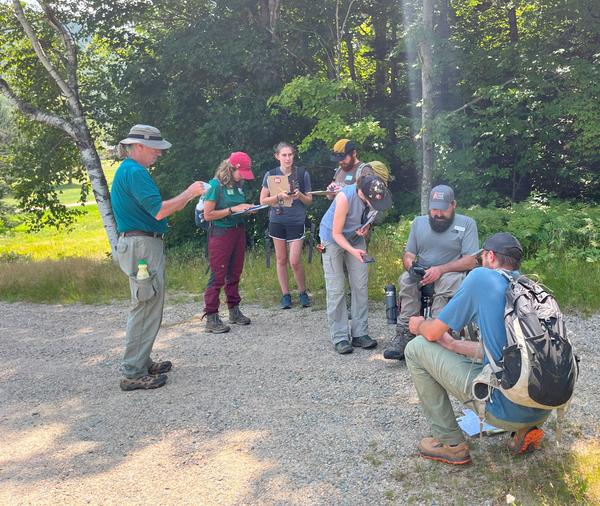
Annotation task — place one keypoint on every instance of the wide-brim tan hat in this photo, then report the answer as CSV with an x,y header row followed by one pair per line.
x,y
146,135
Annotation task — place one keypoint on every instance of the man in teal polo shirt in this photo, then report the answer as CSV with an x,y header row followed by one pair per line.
x,y
141,216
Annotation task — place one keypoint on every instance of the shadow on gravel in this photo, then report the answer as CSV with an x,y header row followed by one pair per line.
x,y
264,414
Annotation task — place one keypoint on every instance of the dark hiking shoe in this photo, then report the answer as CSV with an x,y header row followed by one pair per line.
x,y
215,325
160,367
147,382
236,316
343,347
395,348
304,299
364,342
286,301
431,448
525,440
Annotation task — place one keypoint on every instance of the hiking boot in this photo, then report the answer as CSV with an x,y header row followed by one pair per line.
x,y
215,325
304,299
160,367
525,440
431,448
343,347
236,316
146,382
364,342
395,349
286,301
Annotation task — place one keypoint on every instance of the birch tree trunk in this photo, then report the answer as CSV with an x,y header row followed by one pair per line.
x,y
427,104
75,126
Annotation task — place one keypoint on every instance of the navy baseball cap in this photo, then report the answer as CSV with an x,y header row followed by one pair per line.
x,y
503,243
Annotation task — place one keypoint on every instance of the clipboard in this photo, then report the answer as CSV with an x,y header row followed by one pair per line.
x,y
278,184
323,193
251,209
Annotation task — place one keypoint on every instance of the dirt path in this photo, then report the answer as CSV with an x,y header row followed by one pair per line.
x,y
267,414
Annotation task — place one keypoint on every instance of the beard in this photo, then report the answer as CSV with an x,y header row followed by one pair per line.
x,y
440,225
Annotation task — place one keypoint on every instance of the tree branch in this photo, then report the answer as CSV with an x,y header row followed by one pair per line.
x,y
35,114
67,91
68,42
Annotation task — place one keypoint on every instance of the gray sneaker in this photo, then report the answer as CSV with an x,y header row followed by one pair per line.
x,y
364,342
215,325
343,347
395,349
236,316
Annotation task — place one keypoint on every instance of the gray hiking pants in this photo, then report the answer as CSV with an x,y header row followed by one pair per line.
x,y
410,295
147,300
334,259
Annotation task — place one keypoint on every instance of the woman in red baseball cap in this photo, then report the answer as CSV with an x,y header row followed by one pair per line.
x,y
226,239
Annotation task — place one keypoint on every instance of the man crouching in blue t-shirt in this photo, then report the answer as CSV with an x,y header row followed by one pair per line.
x,y
440,365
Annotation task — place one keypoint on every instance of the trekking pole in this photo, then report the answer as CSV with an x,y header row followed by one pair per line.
x,y
267,249
311,242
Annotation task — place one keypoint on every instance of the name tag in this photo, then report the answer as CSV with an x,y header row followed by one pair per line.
x,y
229,191
349,177
458,228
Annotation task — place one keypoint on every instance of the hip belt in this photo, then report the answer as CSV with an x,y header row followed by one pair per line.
x,y
132,233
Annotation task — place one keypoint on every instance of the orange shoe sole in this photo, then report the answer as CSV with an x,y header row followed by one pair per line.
x,y
447,461
531,442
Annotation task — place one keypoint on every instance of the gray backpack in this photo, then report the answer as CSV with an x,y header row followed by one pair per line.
x,y
538,367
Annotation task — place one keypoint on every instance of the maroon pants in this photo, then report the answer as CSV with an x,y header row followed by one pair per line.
x,y
226,250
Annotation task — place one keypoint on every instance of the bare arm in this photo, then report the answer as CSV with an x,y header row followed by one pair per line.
x,y
434,273
408,259
211,214
471,349
175,204
339,219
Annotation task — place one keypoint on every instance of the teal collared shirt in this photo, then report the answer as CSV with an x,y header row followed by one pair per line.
x,y
136,199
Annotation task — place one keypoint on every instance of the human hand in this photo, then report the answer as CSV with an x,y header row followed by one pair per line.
x,y
241,207
358,254
197,188
364,230
432,275
414,323
294,195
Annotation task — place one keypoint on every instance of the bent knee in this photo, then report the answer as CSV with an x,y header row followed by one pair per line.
x,y
416,347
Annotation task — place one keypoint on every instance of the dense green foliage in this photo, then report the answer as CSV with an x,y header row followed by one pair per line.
x,y
517,93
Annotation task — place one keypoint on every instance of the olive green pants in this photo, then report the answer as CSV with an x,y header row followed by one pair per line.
x,y
147,300
438,373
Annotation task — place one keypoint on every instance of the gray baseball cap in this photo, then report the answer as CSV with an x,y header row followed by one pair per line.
x,y
441,197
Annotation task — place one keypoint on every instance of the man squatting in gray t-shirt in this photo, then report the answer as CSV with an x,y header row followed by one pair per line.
x,y
444,242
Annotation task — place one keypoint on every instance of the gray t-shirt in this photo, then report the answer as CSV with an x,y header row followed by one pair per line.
x,y
434,248
295,215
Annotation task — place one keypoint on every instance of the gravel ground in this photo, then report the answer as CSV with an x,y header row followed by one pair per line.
x,y
266,414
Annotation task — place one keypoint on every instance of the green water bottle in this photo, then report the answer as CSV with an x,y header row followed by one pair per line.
x,y
142,272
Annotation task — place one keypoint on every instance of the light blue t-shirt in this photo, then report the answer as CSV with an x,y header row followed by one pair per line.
x,y
135,199
354,218
481,298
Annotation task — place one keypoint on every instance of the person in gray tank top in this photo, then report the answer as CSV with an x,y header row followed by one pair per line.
x,y
445,243
342,233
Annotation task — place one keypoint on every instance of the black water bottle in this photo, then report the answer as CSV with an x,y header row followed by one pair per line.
x,y
390,304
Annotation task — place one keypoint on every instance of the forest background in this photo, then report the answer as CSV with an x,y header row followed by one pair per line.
x,y
502,96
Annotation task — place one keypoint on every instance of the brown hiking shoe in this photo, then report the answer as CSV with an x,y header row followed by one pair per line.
x,y
236,316
160,367
431,448
146,382
395,348
215,325
525,440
